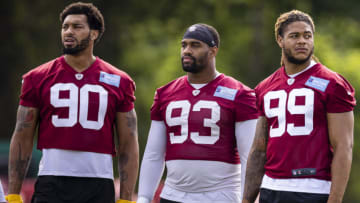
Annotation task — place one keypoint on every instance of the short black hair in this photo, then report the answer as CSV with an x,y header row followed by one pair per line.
x,y
94,17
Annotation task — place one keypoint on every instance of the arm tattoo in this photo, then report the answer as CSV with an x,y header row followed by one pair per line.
x,y
131,121
123,160
21,146
21,165
25,118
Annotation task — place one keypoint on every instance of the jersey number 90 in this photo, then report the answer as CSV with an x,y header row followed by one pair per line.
x,y
288,104
78,104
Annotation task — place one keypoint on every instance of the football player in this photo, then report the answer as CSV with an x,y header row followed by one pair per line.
x,y
202,128
76,101
302,151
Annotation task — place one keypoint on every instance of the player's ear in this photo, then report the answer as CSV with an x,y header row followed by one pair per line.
x,y
94,34
279,41
214,51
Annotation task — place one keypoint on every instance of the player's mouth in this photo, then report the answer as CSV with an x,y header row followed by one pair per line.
x,y
187,59
301,50
69,41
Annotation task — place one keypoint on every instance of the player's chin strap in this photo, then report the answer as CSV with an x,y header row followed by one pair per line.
x,y
13,198
124,201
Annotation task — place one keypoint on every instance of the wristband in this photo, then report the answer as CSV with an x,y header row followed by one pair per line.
x,y
13,198
124,201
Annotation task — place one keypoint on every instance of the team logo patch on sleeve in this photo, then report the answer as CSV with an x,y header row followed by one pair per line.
x,y
110,79
317,83
225,92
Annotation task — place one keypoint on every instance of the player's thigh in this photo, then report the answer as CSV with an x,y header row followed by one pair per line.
x,y
45,190
273,196
103,192
61,189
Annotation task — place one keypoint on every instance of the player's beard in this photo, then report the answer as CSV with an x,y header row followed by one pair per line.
x,y
78,48
196,66
290,57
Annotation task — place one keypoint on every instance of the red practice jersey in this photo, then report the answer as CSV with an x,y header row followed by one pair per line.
x,y
200,123
295,109
77,111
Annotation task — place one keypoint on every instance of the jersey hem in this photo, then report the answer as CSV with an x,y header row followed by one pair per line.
x,y
40,147
82,175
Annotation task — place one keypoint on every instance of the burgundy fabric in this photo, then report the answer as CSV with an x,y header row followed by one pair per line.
x,y
93,131
242,107
311,149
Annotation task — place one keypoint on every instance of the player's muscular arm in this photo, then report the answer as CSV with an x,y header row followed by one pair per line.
x,y
341,126
256,161
21,147
126,125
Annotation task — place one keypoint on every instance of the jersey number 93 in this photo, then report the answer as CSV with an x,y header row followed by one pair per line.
x,y
183,121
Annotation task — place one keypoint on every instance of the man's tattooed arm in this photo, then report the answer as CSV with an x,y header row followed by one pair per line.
x,y
256,161
128,151
21,147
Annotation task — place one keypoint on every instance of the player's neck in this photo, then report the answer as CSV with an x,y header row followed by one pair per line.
x,y
79,62
205,76
292,68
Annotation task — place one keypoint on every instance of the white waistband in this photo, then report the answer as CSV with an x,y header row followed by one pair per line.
x,y
309,185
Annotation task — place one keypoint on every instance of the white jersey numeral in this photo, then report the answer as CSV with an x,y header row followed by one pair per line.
x,y
215,117
280,111
78,103
183,121
307,110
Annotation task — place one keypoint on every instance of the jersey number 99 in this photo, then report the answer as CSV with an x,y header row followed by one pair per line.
x,y
288,104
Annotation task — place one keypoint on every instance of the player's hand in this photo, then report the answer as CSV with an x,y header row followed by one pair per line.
x,y
13,198
124,201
